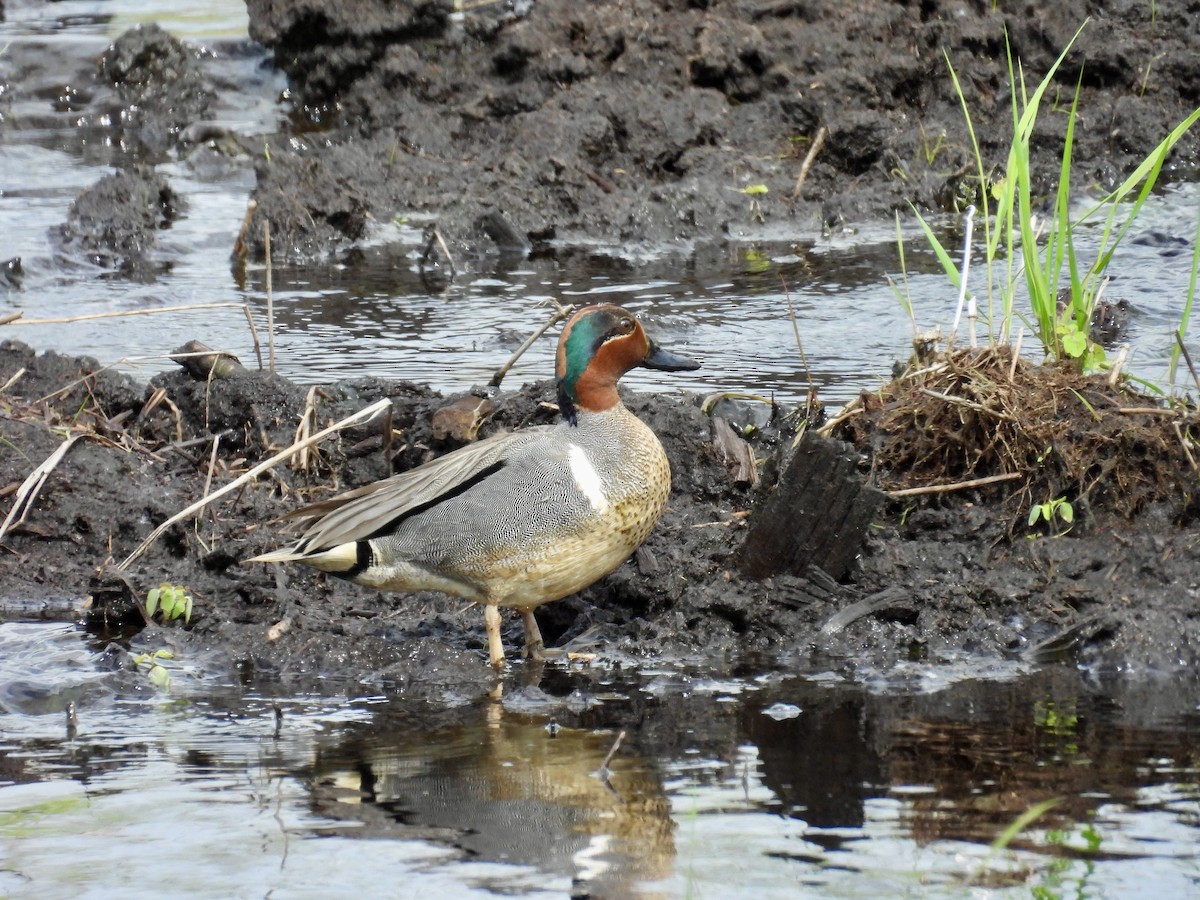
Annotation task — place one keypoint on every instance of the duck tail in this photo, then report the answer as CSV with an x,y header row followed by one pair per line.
x,y
345,560
283,554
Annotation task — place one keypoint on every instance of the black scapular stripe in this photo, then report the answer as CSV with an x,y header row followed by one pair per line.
x,y
392,524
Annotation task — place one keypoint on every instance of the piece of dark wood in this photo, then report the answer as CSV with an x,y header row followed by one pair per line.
x,y
816,514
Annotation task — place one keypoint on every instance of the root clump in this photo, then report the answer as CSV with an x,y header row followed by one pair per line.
x,y
1031,433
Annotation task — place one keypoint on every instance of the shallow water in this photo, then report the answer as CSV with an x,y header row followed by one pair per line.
x,y
816,782
371,314
821,781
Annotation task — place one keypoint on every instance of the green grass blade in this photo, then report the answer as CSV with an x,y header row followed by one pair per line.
x,y
1023,821
948,265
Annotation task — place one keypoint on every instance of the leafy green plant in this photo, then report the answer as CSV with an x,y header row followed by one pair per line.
x,y
173,599
155,670
1055,513
1062,292
1063,878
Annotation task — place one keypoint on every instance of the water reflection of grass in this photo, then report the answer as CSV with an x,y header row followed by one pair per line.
x,y
31,821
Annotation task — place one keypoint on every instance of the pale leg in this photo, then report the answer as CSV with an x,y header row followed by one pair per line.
x,y
491,620
534,646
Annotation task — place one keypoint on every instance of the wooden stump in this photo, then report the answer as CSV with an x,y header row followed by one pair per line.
x,y
817,514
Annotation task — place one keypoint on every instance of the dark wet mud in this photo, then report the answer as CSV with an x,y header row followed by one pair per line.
x,y
647,121
544,125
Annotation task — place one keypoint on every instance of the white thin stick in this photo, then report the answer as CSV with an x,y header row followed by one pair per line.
x,y
1115,375
270,300
212,463
962,281
31,486
66,320
365,414
1012,367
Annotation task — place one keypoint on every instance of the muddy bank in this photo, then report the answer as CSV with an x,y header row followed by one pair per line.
x,y
645,122
936,581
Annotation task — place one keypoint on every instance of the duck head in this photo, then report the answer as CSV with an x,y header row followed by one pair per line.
x,y
598,345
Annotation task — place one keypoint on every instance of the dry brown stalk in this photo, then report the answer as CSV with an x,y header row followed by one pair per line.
x,y
362,415
560,312
957,486
66,320
968,403
1186,444
809,159
28,492
1148,411
16,376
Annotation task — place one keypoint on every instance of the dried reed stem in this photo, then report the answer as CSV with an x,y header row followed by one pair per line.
x,y
560,312
270,300
365,414
28,491
957,486
66,320
809,159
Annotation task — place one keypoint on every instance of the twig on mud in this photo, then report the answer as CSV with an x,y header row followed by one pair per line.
x,y
560,312
308,420
212,464
1148,411
957,486
270,300
67,320
849,411
160,397
31,486
364,414
809,159
887,598
970,404
16,376
253,334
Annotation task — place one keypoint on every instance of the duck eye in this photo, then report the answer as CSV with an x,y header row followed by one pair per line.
x,y
625,326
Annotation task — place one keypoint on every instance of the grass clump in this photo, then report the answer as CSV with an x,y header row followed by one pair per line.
x,y
1057,440
1023,249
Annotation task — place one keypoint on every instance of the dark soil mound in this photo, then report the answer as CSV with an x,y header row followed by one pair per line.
x,y
646,120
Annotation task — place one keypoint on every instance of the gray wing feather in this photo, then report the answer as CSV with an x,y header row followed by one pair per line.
x,y
359,513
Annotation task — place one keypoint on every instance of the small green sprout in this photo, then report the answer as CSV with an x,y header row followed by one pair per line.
x,y
173,599
1054,513
157,672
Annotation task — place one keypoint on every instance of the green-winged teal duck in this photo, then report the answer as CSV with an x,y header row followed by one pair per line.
x,y
521,518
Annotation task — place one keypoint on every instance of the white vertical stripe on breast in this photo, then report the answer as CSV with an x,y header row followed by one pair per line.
x,y
587,479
